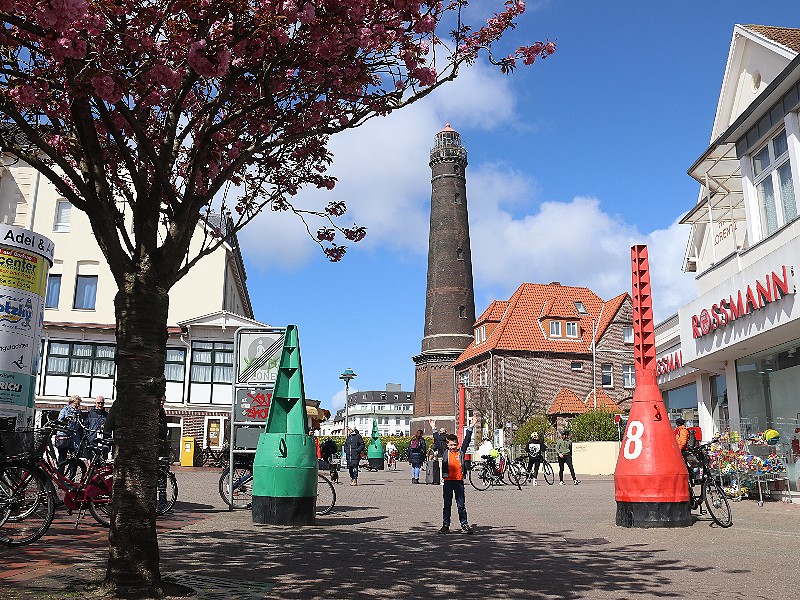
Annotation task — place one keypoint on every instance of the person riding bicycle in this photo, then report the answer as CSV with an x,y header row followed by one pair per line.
x,y
681,434
536,449
391,452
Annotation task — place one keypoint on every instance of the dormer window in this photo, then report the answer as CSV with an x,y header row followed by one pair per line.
x,y
555,328
572,329
772,174
580,308
480,334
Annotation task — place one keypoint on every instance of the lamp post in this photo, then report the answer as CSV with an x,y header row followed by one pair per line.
x,y
347,377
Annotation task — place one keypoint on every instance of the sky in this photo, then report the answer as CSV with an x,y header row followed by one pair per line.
x,y
571,162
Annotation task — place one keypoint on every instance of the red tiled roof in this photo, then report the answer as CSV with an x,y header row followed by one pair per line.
x,y
520,328
604,402
785,36
566,402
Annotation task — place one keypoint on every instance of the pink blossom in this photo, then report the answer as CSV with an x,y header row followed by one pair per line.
x,y
162,75
60,14
24,95
208,65
425,25
425,75
281,36
106,89
307,14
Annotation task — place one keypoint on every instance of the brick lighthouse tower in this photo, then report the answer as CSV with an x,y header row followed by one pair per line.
x,y
450,300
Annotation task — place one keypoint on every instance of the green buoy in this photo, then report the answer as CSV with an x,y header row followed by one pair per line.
x,y
285,465
375,452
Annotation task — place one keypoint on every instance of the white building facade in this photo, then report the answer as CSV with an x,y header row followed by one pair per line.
x,y
730,359
392,408
79,345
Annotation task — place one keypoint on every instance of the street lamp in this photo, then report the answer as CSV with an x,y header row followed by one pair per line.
x,y
347,377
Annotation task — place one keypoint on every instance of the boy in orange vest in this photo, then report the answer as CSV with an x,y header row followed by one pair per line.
x,y
453,471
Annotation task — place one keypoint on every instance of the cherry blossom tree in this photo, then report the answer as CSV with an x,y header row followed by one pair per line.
x,y
142,113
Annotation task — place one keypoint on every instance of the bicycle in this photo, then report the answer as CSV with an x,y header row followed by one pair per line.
x,y
711,493
391,461
527,475
485,473
243,489
218,458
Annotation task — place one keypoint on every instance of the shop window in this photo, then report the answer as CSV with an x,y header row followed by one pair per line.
x,y
628,377
572,329
607,375
772,174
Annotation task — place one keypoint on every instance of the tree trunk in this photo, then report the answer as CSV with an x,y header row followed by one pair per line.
x,y
141,312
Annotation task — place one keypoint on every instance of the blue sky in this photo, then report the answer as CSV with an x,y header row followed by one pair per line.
x,y
571,161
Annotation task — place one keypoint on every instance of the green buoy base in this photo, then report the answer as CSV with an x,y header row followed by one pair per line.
x,y
270,510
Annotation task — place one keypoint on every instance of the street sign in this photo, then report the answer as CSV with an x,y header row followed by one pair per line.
x,y
258,353
252,405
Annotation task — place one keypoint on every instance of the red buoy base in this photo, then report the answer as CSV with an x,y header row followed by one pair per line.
x,y
653,514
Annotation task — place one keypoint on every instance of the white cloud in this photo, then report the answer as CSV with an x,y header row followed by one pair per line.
x,y
337,400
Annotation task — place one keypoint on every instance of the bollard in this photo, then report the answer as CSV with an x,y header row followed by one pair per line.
x,y
375,452
651,483
285,465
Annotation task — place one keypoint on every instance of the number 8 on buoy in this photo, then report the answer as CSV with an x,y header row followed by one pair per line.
x,y
633,440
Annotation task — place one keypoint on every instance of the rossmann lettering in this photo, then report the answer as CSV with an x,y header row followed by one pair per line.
x,y
773,287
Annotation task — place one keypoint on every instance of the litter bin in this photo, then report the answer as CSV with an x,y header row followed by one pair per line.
x,y
187,451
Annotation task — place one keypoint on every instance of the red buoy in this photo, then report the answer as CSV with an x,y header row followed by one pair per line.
x,y
651,483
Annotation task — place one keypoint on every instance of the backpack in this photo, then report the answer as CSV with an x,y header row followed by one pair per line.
x,y
692,442
416,447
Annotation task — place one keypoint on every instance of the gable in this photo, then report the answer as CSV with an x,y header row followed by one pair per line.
x,y
757,55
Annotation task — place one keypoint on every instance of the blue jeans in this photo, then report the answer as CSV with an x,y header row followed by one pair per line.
x,y
415,471
353,472
450,488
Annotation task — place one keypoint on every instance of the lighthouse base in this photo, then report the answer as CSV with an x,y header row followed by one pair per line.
x,y
653,514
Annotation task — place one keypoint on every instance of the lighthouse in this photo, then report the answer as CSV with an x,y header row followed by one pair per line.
x,y
449,299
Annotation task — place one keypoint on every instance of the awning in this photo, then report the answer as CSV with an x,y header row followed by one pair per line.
x,y
719,173
318,414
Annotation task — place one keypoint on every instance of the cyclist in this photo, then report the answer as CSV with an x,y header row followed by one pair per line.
x,y
391,453
536,448
69,439
681,434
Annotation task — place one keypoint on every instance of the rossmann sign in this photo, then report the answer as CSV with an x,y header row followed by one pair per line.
x,y
669,363
744,301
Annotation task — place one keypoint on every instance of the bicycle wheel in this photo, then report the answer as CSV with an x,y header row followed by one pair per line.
x,y
168,485
30,505
242,487
479,477
326,495
100,508
513,474
522,470
200,458
547,471
717,504
6,496
74,470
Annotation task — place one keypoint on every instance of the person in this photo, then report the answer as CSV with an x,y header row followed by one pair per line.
x,y
391,453
485,449
316,443
564,451
416,454
68,439
681,433
327,450
96,418
536,449
353,447
453,471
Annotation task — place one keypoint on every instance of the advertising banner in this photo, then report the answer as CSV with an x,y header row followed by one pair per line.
x,y
25,259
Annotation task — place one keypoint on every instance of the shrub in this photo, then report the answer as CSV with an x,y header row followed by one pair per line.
x,y
594,426
538,423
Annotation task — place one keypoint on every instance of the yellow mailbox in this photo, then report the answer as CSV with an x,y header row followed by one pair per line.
x,y
187,451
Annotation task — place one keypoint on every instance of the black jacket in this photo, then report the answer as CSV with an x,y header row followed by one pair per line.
x,y
353,447
536,448
416,456
440,443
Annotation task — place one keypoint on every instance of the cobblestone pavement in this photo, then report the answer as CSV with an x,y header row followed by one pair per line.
x,y
381,542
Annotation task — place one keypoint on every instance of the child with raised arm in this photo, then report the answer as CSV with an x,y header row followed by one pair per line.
x,y
453,471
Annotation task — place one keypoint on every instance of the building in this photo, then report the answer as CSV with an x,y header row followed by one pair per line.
x,y
79,344
534,354
449,301
392,408
730,358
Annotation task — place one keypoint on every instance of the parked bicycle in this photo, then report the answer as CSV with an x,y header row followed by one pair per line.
x,y
490,472
710,491
215,458
527,475
243,489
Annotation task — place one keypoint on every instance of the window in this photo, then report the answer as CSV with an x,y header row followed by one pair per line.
x,y
462,312
175,365
572,329
576,365
53,291
628,376
457,197
463,378
772,174
480,334
85,292
607,377
627,334
555,328
580,308
62,217
460,254
212,362
80,359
